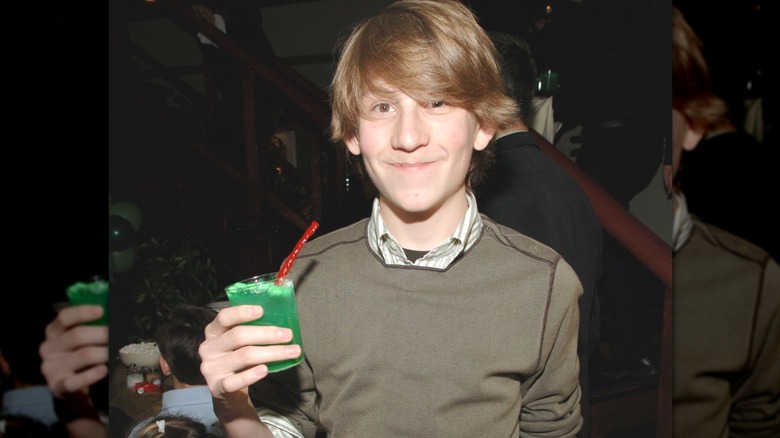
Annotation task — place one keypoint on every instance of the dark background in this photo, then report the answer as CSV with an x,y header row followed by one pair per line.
x,y
736,36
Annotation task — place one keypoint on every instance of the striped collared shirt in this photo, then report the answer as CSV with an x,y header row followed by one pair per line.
x,y
464,236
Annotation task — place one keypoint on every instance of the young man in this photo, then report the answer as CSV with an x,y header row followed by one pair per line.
x,y
726,290
426,319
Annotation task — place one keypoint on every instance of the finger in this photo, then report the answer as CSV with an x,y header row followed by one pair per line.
x,y
246,358
244,367
243,336
232,316
244,379
71,316
89,356
65,365
85,378
73,339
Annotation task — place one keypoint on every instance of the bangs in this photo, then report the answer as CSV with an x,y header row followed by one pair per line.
x,y
410,61
429,50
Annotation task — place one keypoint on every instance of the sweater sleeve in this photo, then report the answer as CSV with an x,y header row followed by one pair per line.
x,y
551,397
755,409
286,402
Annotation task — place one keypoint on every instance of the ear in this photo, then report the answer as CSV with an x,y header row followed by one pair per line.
x,y
483,138
692,138
353,145
164,367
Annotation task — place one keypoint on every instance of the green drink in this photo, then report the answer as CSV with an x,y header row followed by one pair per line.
x,y
547,83
93,292
279,308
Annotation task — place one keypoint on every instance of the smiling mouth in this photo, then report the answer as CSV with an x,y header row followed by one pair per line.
x,y
412,165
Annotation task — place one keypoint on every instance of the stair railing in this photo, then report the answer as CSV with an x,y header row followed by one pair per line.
x,y
304,96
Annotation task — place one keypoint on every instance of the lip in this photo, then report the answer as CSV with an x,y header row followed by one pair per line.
x,y
415,165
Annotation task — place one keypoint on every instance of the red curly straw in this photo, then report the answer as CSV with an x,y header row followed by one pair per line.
x,y
285,269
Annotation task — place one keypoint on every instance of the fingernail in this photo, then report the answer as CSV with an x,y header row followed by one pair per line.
x,y
293,349
260,370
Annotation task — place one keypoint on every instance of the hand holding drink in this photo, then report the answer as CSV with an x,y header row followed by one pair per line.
x,y
240,344
74,353
278,302
276,294
92,292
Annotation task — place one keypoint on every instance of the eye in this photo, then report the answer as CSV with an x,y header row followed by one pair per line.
x,y
382,108
436,105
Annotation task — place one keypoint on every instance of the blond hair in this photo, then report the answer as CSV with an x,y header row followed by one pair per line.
x,y
431,50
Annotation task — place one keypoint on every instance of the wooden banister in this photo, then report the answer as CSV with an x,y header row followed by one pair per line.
x,y
316,109
639,240
648,249
309,100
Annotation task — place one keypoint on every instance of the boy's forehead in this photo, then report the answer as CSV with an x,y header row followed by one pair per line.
x,y
381,88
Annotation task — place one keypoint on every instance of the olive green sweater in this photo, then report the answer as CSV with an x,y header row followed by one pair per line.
x,y
484,348
726,337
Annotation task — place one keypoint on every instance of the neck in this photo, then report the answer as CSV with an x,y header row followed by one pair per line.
x,y
423,231
722,128
179,385
517,125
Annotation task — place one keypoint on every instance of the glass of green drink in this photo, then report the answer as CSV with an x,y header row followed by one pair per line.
x,y
90,292
279,310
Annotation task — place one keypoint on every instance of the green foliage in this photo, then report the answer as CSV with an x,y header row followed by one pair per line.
x,y
171,275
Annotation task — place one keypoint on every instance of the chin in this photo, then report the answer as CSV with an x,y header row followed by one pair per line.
x,y
414,204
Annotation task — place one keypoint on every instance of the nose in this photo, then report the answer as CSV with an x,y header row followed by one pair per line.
x,y
410,130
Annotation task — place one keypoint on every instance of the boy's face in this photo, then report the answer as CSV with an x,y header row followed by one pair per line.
x,y
417,154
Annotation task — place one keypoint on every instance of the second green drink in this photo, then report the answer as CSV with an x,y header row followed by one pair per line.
x,y
279,308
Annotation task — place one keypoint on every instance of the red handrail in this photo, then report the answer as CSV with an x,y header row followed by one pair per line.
x,y
639,240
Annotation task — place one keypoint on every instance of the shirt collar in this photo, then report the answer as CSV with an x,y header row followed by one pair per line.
x,y
387,247
504,134
681,227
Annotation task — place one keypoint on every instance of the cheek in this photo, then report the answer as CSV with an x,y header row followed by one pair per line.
x,y
463,134
369,139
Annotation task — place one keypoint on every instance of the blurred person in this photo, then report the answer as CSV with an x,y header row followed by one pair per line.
x,y
23,389
174,426
22,426
725,181
726,289
528,192
613,85
427,318
178,340
74,358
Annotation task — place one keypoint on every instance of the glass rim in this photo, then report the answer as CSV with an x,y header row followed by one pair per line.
x,y
257,279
